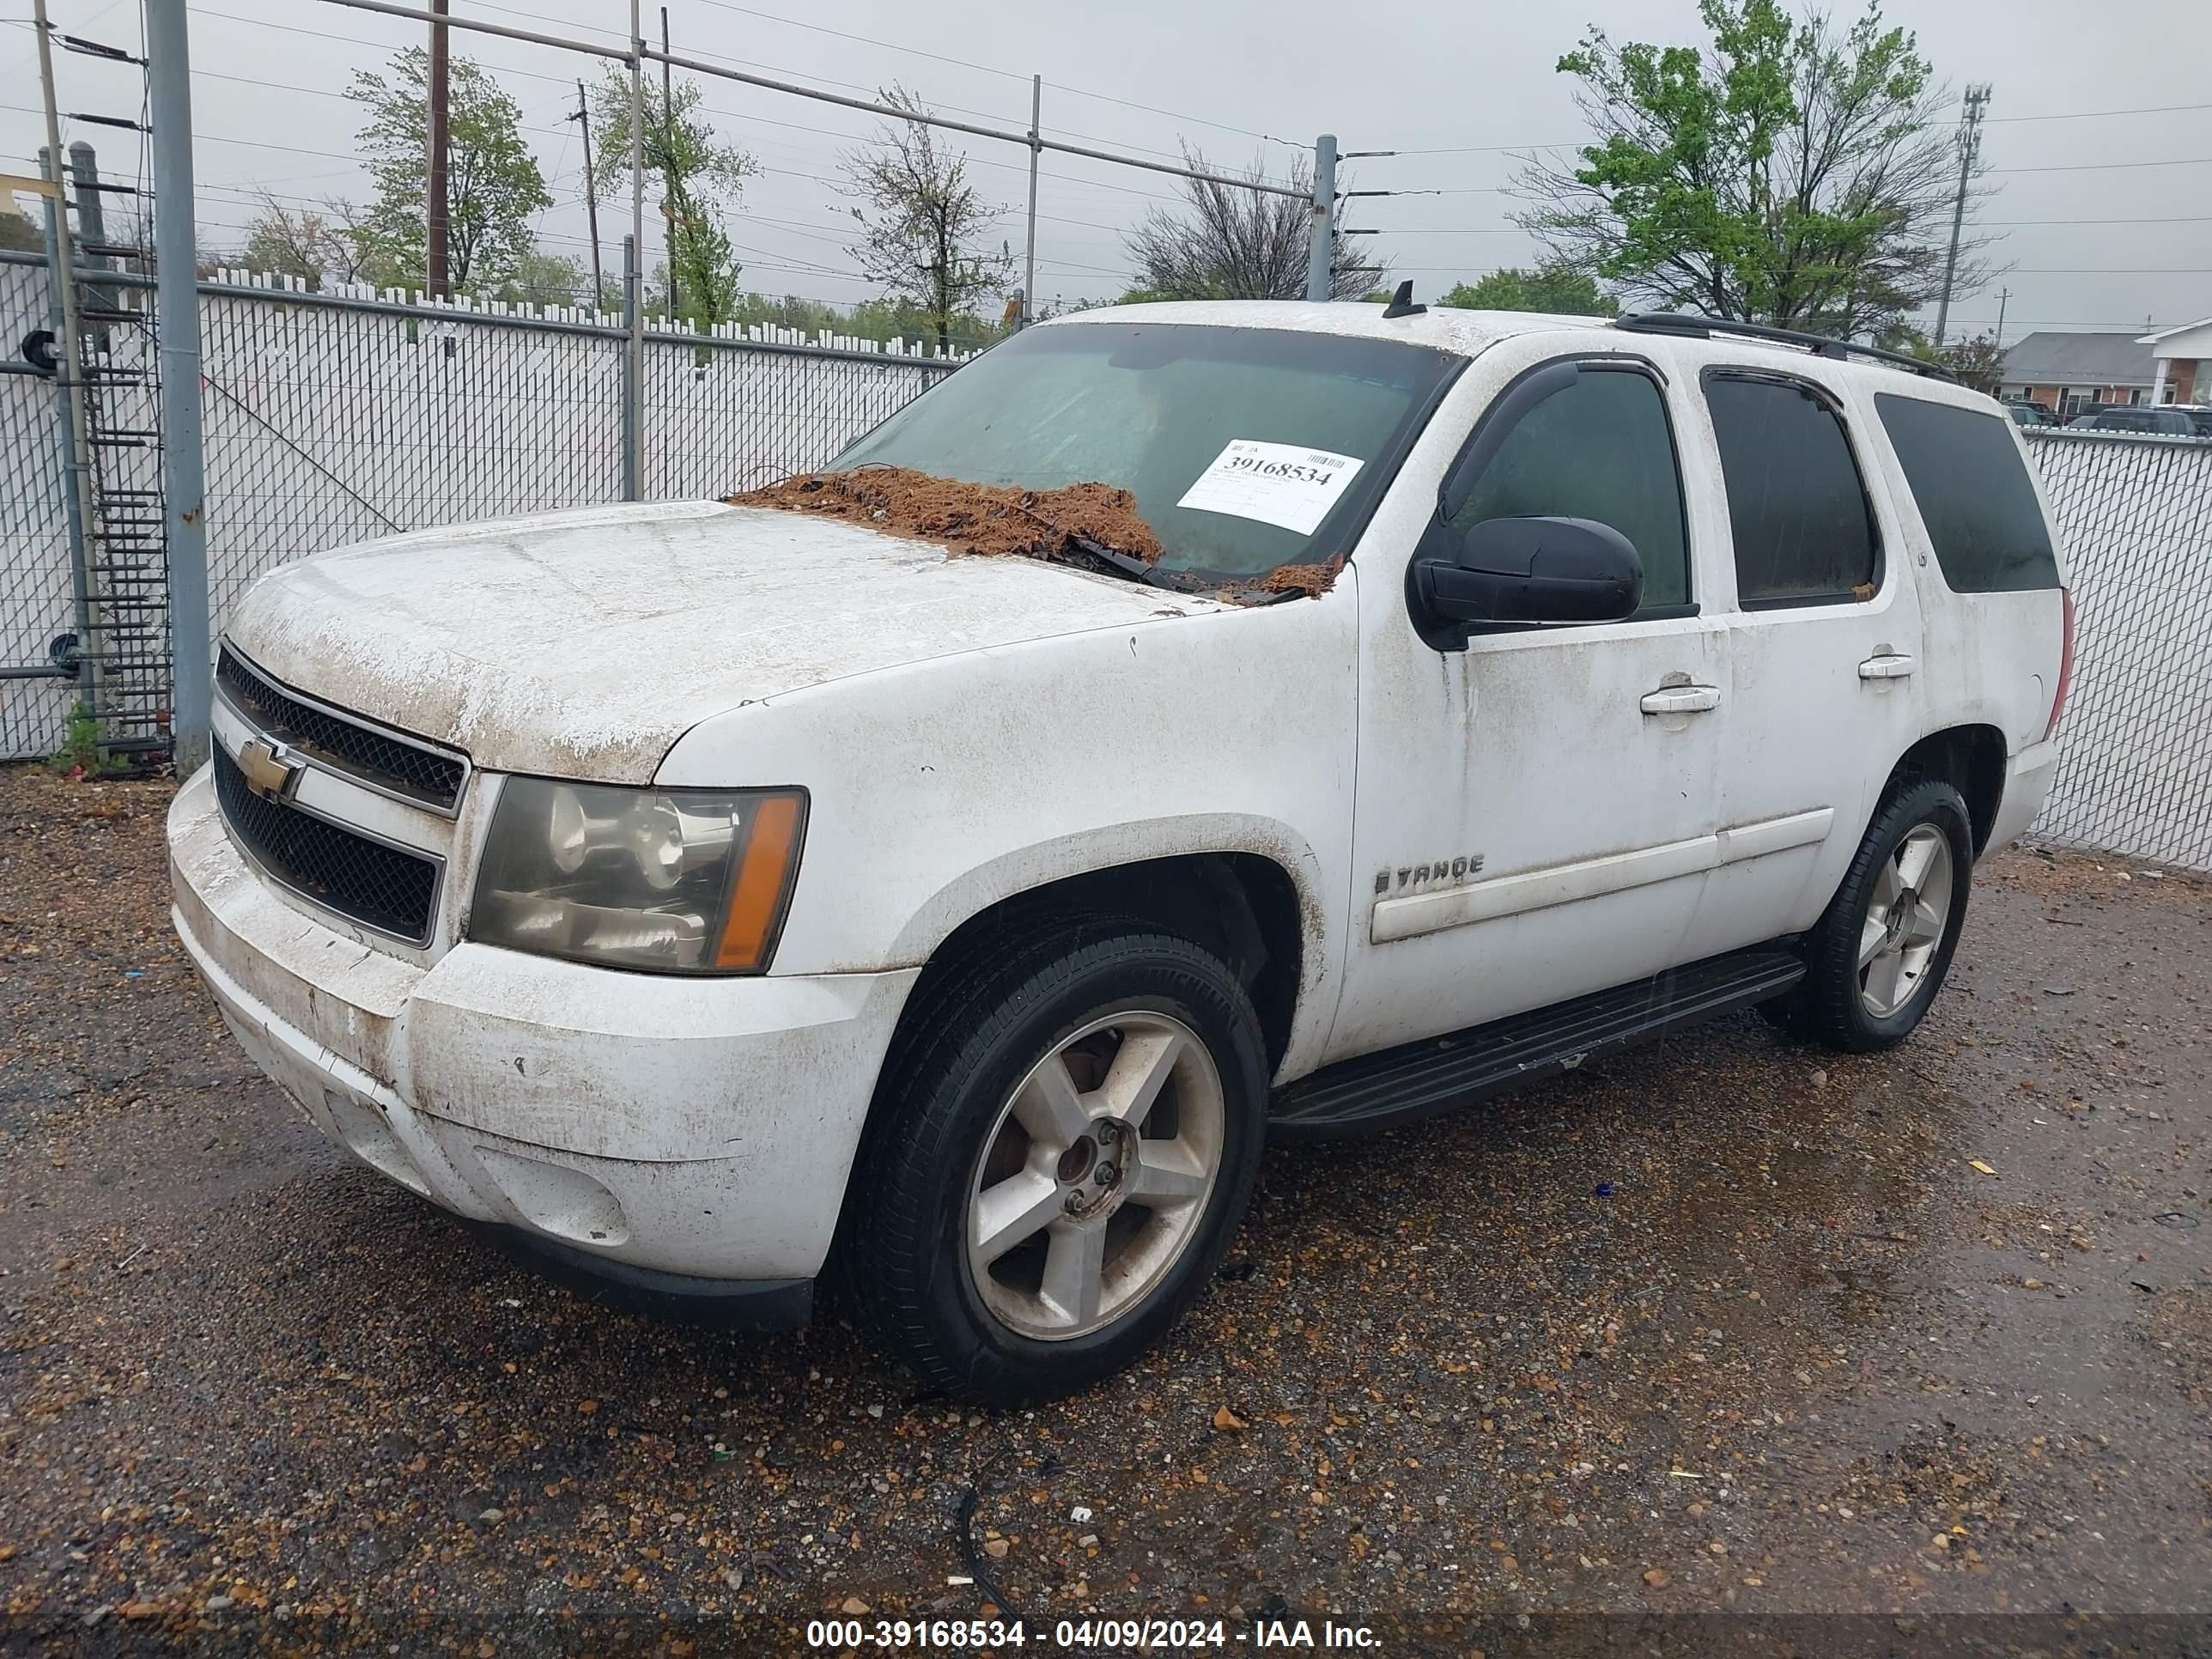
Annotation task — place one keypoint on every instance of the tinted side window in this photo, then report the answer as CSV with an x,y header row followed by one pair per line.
x,y
1796,503
1599,449
1973,494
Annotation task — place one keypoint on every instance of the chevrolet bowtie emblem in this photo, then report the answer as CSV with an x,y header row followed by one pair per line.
x,y
270,769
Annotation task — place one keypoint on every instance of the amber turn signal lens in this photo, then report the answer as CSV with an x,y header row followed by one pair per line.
x,y
763,883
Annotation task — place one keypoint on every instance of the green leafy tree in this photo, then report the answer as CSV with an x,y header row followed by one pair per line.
x,y
494,186
18,234
924,228
548,279
701,180
1558,288
1784,173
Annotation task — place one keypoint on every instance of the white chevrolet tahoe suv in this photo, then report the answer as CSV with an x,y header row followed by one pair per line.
x,y
707,895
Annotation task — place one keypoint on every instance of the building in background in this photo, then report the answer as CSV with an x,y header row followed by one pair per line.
x,y
2181,363
2065,372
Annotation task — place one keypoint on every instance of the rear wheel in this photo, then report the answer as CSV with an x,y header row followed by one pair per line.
x,y
1057,1163
1879,955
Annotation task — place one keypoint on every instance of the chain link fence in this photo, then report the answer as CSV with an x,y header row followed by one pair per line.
x,y
332,419
2134,776
38,603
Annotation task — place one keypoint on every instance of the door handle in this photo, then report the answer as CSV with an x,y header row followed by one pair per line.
x,y
1886,665
1681,699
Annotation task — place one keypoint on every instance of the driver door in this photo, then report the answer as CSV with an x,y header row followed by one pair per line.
x,y
1536,814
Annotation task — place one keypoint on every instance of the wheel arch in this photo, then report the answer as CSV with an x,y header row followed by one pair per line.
x,y
1176,873
1972,758
1245,906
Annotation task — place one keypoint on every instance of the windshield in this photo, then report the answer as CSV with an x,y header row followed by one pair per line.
x,y
1246,448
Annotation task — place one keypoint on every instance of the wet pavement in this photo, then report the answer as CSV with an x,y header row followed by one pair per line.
x,y
1728,1327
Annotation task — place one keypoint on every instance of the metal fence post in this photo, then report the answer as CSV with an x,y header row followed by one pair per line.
x,y
633,282
183,485
91,221
1319,278
56,220
1029,244
632,377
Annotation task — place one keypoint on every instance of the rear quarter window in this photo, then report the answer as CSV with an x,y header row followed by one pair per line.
x,y
1974,496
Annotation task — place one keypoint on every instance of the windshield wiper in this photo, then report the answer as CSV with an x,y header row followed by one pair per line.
x,y
1121,564
1180,581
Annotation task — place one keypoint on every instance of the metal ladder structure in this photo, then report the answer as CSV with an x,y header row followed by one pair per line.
x,y
106,360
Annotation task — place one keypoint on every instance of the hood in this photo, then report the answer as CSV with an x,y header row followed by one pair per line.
x,y
584,644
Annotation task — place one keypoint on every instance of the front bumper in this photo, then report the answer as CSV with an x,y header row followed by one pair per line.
x,y
702,1129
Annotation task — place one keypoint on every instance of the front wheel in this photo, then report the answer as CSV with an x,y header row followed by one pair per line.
x,y
1057,1163
1879,955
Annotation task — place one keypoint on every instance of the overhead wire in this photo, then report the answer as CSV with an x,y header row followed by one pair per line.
x,y
1065,181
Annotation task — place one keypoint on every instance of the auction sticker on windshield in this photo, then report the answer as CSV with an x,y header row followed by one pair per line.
x,y
1276,484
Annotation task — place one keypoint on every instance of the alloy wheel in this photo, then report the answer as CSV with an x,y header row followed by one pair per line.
x,y
1095,1176
1905,921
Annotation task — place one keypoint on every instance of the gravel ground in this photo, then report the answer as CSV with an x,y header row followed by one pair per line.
x,y
1725,1328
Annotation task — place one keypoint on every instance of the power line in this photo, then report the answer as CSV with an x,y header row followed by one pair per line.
x,y
2099,114
2068,115
2106,166
988,69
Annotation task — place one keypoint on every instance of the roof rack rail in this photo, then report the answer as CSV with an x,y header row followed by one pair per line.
x,y
1820,345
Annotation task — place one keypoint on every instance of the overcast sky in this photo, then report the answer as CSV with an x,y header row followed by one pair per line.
x,y
2078,199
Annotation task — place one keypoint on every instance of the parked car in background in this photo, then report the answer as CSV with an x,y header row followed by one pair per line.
x,y
2027,414
2200,417
2164,421
705,894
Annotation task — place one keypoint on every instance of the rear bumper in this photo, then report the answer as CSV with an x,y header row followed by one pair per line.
x,y
693,1130
2027,786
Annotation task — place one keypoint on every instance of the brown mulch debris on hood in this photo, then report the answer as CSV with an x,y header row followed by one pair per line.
x,y
1069,525
969,518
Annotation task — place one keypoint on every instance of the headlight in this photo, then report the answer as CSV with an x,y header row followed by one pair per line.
x,y
676,881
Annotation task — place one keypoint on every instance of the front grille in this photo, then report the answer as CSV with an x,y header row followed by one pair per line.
x,y
379,886
387,761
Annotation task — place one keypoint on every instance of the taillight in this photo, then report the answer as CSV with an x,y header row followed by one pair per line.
x,y
2065,665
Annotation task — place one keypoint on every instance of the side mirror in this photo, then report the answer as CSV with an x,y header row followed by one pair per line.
x,y
1525,570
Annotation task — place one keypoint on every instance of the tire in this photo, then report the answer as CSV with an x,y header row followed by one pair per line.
x,y
1092,1018
1874,964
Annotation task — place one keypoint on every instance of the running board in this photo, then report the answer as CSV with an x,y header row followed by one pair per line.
x,y
1402,1084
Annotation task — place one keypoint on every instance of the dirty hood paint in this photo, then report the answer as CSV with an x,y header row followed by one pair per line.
x,y
584,644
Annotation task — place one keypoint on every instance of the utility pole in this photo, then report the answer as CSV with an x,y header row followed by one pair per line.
x,y
583,118
1319,248
668,158
1970,147
2003,295
177,310
438,233
1029,245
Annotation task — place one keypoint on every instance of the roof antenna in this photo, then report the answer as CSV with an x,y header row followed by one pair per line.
x,y
1401,303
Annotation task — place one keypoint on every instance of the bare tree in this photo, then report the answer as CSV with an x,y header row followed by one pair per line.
x,y
283,241
923,224
1784,173
1229,243
349,244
